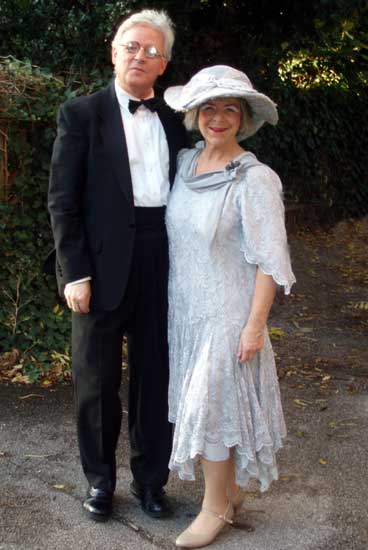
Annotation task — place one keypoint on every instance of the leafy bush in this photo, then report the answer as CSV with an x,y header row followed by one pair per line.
x,y
31,319
319,150
309,58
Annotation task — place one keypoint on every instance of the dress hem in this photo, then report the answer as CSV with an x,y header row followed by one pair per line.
x,y
270,468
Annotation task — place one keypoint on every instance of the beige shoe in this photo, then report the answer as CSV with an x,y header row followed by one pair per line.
x,y
187,539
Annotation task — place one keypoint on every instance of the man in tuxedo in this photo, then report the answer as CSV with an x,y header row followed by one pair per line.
x,y
112,165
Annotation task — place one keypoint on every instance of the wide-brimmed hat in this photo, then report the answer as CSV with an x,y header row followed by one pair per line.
x,y
223,81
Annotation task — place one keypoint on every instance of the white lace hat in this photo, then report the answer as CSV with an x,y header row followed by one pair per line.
x,y
223,81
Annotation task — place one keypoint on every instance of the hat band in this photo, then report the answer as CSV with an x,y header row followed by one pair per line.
x,y
208,84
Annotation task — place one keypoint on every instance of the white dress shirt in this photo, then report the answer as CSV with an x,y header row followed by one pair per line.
x,y
148,152
148,155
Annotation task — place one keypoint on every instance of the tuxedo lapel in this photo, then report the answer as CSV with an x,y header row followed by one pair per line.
x,y
166,121
114,141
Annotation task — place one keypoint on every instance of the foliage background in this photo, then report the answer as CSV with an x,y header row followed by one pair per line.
x,y
310,57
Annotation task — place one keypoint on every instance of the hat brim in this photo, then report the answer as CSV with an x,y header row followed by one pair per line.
x,y
263,109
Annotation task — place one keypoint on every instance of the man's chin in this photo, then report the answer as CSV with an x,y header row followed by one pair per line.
x,y
138,78
136,71
137,88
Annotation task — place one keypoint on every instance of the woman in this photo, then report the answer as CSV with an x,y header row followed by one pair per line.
x,y
228,250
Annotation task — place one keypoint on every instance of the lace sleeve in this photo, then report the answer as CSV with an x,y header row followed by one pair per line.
x,y
263,225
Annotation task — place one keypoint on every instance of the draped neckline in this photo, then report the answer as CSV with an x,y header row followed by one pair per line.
x,y
218,178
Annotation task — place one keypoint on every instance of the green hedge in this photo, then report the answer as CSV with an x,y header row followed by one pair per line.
x,y
309,58
32,321
319,149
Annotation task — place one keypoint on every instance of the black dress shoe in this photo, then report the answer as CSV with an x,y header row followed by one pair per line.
x,y
98,504
153,501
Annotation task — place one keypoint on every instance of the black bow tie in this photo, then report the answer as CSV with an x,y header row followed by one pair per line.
x,y
152,104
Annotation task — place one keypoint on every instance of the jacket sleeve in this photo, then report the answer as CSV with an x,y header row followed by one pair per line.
x,y
66,195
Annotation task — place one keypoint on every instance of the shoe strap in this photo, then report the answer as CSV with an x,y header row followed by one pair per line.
x,y
222,517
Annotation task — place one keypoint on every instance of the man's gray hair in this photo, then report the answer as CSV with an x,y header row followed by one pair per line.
x,y
158,20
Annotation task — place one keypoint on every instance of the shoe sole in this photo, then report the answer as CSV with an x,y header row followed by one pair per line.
x,y
155,515
96,517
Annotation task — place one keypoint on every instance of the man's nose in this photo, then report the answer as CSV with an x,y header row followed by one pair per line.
x,y
140,55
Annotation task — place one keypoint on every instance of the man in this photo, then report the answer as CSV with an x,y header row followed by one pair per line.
x,y
111,169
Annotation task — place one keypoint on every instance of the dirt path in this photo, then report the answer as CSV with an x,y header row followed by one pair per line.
x,y
325,319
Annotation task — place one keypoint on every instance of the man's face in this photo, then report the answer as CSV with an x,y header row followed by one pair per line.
x,y
137,73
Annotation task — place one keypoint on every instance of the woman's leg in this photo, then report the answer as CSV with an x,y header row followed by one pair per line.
x,y
216,510
232,488
216,479
235,493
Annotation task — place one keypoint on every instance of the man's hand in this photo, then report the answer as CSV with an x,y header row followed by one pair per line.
x,y
78,296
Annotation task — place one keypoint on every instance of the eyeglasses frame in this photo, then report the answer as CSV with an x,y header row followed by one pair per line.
x,y
144,48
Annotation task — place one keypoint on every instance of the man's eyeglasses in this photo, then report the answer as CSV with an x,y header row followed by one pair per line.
x,y
133,48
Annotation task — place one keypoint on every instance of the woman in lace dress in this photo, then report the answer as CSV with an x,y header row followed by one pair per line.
x,y
228,251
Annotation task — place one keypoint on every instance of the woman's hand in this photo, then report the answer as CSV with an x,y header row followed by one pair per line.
x,y
251,341
252,335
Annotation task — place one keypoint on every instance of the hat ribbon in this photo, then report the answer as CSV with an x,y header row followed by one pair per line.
x,y
213,82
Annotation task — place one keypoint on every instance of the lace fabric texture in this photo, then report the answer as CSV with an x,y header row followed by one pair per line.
x,y
221,226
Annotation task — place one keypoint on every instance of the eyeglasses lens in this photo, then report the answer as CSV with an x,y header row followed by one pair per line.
x,y
149,51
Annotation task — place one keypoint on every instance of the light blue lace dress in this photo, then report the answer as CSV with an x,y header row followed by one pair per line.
x,y
221,226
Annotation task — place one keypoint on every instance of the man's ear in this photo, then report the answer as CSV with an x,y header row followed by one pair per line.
x,y
114,53
164,63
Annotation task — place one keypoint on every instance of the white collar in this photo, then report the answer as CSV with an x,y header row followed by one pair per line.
x,y
124,97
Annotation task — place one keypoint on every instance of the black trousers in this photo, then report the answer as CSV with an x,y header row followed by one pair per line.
x,y
97,364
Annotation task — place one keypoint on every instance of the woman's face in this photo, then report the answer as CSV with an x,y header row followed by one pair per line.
x,y
219,120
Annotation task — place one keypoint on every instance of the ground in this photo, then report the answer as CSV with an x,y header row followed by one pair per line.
x,y
319,334
323,323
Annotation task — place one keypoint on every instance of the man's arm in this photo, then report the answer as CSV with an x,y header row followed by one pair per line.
x,y
66,193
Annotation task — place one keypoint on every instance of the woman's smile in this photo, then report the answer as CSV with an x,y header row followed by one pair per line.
x,y
217,130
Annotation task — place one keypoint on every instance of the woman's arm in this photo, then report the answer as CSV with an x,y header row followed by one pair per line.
x,y
251,338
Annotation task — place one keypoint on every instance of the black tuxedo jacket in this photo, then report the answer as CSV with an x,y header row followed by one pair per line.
x,y
91,196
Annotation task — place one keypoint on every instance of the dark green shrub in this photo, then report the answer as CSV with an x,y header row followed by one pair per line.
x,y
310,57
